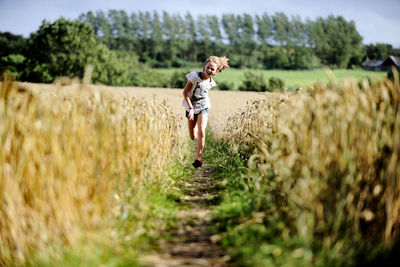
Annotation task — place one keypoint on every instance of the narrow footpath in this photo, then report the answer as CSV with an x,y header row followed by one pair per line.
x,y
192,245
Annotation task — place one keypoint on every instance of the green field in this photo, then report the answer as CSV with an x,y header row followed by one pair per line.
x,y
292,78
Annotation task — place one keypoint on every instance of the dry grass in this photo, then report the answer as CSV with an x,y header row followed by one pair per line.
x,y
73,156
329,160
224,103
71,153
70,159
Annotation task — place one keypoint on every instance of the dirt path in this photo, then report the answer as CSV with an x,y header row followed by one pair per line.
x,y
192,245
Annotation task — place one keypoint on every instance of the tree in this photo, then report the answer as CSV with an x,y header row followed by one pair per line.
x,y
180,29
251,41
12,48
115,67
191,36
231,26
282,34
335,40
120,25
264,28
11,44
170,36
133,33
281,26
156,37
14,63
64,48
264,34
379,51
92,20
204,35
247,43
104,28
298,40
215,28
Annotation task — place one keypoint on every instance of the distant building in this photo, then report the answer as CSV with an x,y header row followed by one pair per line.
x,y
390,62
372,64
381,65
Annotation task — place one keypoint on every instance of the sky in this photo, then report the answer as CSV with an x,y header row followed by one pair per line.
x,y
377,21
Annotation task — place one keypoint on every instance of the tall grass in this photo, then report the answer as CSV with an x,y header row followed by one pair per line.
x,y
71,161
326,167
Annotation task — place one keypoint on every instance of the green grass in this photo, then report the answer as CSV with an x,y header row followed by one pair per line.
x,y
292,78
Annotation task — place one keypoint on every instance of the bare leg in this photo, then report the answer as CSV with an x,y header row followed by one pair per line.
x,y
201,134
192,129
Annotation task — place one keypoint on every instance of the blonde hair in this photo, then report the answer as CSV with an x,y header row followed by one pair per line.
x,y
221,62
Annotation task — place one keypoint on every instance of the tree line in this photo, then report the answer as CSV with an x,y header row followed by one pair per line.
x,y
252,41
124,49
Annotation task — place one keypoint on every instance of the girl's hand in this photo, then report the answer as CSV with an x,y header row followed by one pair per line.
x,y
191,114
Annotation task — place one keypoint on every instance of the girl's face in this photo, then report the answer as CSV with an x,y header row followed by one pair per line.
x,y
210,69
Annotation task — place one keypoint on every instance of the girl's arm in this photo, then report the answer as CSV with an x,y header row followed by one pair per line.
x,y
187,99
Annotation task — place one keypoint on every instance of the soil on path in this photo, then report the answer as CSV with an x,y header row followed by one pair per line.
x,y
192,245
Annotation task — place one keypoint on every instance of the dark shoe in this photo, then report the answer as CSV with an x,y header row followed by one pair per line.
x,y
197,163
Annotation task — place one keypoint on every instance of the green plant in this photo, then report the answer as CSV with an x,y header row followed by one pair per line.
x,y
254,82
178,79
14,63
62,48
226,86
276,83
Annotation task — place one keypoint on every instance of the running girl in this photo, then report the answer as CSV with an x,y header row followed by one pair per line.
x,y
197,102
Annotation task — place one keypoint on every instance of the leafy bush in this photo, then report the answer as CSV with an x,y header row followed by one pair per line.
x,y
276,60
14,63
226,86
276,83
178,79
178,63
254,82
150,78
111,68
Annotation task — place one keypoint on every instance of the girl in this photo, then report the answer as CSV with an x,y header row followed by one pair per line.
x,y
197,102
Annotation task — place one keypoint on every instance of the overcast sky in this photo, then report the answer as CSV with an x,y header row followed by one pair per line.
x,y
378,21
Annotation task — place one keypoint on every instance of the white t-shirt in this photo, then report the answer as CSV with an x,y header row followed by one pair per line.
x,y
198,94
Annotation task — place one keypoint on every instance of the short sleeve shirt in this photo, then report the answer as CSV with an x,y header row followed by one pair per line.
x,y
199,92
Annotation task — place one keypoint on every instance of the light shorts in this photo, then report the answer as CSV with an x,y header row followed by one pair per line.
x,y
203,111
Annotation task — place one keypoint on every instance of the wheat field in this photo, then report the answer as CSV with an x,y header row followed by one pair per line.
x,y
73,160
76,156
329,162
223,103
71,153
